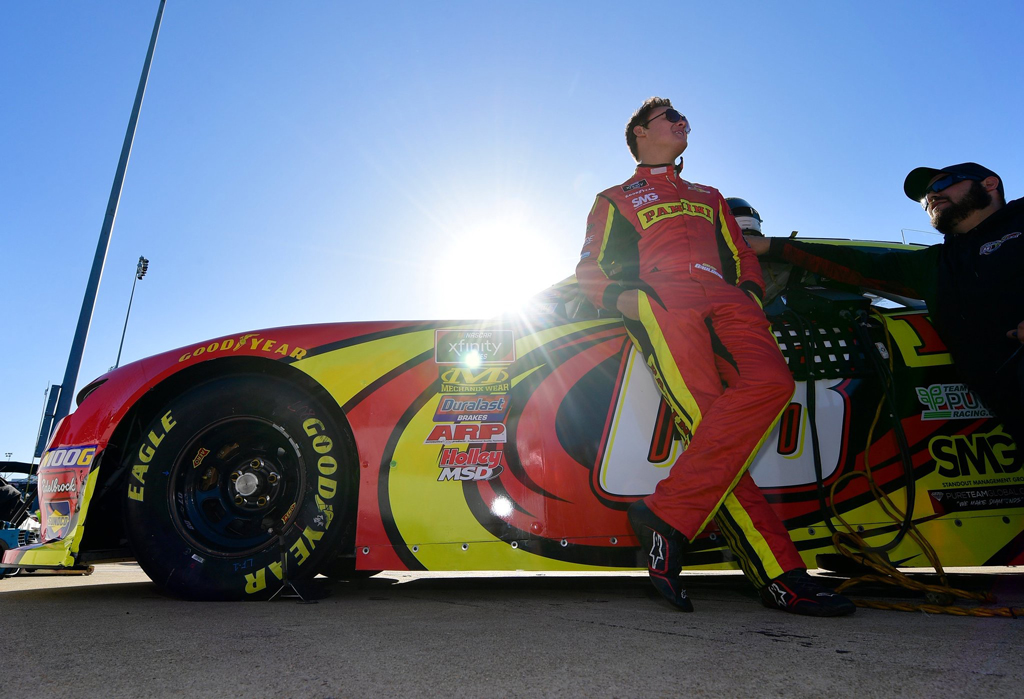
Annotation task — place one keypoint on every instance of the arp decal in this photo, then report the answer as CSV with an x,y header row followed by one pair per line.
x,y
976,454
466,433
950,401
68,456
464,380
659,212
472,409
918,341
251,343
473,464
474,348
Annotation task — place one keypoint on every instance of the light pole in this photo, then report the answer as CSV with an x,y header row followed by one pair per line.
x,y
67,391
140,272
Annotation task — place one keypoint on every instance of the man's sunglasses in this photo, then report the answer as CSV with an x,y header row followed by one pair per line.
x,y
673,117
946,182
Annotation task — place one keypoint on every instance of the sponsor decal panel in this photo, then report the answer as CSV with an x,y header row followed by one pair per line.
x,y
950,401
659,212
474,347
471,464
472,409
488,380
982,456
953,500
467,433
633,186
60,494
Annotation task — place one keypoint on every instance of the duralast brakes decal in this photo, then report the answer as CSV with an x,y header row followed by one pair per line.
x,y
472,464
472,408
326,489
464,380
252,342
466,433
137,481
966,499
473,348
659,212
950,401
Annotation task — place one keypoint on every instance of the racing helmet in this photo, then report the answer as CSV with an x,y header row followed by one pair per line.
x,y
746,215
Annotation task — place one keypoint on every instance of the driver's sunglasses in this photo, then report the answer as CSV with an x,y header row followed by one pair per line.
x,y
673,117
946,182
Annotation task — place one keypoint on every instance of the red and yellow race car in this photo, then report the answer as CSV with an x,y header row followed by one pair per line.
x,y
517,443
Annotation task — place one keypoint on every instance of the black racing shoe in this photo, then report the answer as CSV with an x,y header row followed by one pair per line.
x,y
795,591
663,547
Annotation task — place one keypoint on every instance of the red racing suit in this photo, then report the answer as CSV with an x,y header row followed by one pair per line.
x,y
709,346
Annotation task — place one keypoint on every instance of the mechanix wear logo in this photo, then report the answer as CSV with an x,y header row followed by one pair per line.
x,y
950,401
461,380
659,212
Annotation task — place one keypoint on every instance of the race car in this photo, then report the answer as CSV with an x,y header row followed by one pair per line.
x,y
230,467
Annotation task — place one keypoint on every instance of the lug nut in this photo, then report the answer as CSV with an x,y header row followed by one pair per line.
x,y
255,463
261,500
239,499
234,476
272,478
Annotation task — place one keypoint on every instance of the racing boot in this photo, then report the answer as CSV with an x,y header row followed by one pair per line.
x,y
795,591
663,547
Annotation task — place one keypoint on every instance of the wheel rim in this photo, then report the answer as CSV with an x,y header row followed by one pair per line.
x,y
235,486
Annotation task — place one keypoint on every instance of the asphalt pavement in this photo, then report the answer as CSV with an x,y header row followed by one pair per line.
x,y
480,635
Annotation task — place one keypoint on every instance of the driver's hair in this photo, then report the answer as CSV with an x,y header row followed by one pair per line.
x,y
640,117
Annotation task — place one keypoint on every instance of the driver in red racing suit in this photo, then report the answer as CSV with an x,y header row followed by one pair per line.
x,y
669,256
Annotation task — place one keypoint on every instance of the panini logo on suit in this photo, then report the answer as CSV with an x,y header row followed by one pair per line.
x,y
659,212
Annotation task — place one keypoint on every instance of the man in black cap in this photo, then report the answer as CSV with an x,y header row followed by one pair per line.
x,y
973,282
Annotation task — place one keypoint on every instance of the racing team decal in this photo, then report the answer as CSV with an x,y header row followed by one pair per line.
x,y
950,401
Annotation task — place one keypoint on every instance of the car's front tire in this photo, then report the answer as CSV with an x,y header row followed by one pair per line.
x,y
237,484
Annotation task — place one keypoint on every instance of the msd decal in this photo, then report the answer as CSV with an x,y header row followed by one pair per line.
x,y
464,434
474,347
472,409
474,464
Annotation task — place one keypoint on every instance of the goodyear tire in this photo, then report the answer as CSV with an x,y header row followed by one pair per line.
x,y
230,479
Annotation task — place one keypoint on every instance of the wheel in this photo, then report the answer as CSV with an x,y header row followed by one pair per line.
x,y
231,475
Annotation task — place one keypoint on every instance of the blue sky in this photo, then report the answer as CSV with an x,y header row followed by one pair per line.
x,y
304,161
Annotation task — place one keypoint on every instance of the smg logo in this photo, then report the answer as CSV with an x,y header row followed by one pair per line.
x,y
644,199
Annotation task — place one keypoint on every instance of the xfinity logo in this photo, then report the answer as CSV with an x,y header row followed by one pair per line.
x,y
474,347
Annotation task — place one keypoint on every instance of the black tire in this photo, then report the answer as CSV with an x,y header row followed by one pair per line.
x,y
220,466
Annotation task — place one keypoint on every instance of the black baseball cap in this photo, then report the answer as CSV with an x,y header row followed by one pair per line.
x,y
915,186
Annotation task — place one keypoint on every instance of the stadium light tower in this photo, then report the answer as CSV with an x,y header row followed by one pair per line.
x,y
67,390
140,272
